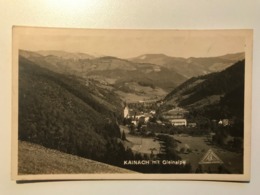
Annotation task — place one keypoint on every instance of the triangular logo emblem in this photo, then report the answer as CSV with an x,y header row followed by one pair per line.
x,y
210,158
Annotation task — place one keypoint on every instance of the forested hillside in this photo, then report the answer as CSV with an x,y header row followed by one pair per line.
x,y
225,87
59,112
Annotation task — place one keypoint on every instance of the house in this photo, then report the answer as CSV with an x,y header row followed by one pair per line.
x,y
134,123
192,124
175,113
225,122
137,117
178,122
152,112
141,119
159,122
146,119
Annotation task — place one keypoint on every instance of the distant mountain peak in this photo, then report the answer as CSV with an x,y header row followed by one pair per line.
x,y
28,54
151,55
65,54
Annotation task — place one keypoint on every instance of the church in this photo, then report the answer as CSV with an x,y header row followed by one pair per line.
x,y
126,112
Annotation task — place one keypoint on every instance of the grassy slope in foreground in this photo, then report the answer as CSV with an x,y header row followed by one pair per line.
x,y
48,161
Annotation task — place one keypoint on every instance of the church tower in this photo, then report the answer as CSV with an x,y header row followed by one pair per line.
x,y
126,111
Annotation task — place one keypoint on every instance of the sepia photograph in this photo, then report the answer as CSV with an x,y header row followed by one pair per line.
x,y
131,104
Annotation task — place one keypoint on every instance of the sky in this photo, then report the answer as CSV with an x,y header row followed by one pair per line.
x,y
132,43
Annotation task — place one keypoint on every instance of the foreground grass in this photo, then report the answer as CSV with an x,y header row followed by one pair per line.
x,y
36,159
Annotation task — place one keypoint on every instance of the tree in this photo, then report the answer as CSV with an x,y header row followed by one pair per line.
x,y
123,137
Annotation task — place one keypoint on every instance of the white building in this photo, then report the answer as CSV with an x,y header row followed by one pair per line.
x,y
139,116
146,119
152,112
225,122
179,122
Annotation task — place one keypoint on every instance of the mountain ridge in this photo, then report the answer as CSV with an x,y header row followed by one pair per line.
x,y
217,88
114,72
192,66
65,54
123,76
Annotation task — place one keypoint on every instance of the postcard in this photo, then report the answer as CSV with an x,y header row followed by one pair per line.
x,y
131,104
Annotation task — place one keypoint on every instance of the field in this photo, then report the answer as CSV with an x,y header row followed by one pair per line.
x,y
141,144
146,95
198,145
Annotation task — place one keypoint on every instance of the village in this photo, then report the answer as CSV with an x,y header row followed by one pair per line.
x,y
194,142
141,117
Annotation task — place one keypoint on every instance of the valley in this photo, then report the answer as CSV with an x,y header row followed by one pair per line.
x,y
196,126
151,107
